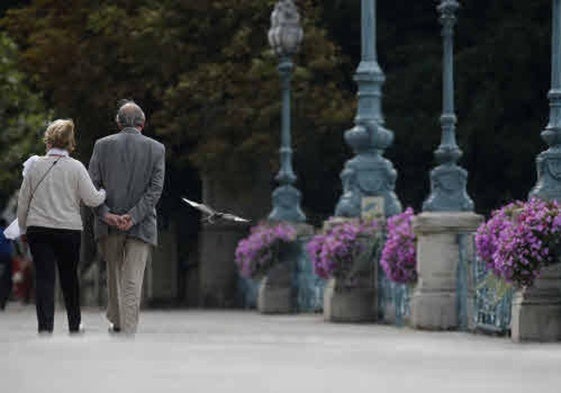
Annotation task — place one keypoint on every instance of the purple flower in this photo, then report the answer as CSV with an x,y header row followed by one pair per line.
x,y
333,253
257,253
399,255
519,239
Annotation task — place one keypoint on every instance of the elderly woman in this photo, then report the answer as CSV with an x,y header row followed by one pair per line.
x,y
49,215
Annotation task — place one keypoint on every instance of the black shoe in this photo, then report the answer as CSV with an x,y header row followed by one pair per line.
x,y
75,331
114,329
45,333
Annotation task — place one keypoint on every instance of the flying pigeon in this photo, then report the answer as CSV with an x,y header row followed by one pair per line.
x,y
213,214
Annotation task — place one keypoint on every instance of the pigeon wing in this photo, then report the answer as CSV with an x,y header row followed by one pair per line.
x,y
200,206
232,217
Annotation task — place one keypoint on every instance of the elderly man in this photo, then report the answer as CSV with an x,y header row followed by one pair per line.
x,y
130,167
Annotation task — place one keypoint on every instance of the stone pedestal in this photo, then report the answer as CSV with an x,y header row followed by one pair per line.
x,y
278,290
276,294
536,311
357,304
434,302
352,303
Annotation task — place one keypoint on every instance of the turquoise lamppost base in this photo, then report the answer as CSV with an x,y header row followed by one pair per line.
x,y
286,205
448,190
548,186
367,175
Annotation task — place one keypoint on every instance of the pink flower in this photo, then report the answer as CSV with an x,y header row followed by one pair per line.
x,y
519,239
399,255
258,252
333,253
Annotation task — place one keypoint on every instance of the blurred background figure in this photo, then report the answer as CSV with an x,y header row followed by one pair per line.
x,y
6,255
22,273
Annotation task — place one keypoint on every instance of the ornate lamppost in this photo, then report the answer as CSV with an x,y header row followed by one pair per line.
x,y
548,163
448,180
285,36
368,173
448,213
536,310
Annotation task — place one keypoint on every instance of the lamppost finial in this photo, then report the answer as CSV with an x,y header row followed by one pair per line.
x,y
285,34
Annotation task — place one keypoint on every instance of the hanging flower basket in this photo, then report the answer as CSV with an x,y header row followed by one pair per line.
x,y
520,239
263,248
345,249
399,255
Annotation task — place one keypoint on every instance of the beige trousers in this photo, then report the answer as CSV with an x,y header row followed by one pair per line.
x,y
126,260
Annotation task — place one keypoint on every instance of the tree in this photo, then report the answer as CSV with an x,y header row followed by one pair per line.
x,y
231,102
7,4
204,72
23,117
205,75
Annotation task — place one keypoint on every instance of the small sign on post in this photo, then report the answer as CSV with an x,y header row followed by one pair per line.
x,y
372,207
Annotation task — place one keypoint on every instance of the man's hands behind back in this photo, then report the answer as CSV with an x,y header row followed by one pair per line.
x,y
121,222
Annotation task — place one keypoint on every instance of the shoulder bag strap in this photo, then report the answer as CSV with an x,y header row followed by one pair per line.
x,y
39,183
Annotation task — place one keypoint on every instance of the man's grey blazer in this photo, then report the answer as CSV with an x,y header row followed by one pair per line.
x,y
131,169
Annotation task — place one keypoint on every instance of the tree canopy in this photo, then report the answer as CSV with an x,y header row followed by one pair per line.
x,y
207,79
204,73
22,117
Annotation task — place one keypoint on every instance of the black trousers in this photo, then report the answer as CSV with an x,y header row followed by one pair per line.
x,y
61,247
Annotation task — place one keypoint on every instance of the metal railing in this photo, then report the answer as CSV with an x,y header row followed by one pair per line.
x,y
490,308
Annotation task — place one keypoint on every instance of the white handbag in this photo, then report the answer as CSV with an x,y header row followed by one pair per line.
x,y
12,231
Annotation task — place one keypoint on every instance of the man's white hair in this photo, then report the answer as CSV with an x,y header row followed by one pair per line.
x,y
130,115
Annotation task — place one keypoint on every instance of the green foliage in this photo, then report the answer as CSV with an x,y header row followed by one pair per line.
x,y
22,118
205,74
228,102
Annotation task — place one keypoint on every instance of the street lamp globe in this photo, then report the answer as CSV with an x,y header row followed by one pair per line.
x,y
285,34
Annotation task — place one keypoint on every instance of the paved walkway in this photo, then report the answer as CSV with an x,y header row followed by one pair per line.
x,y
214,351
